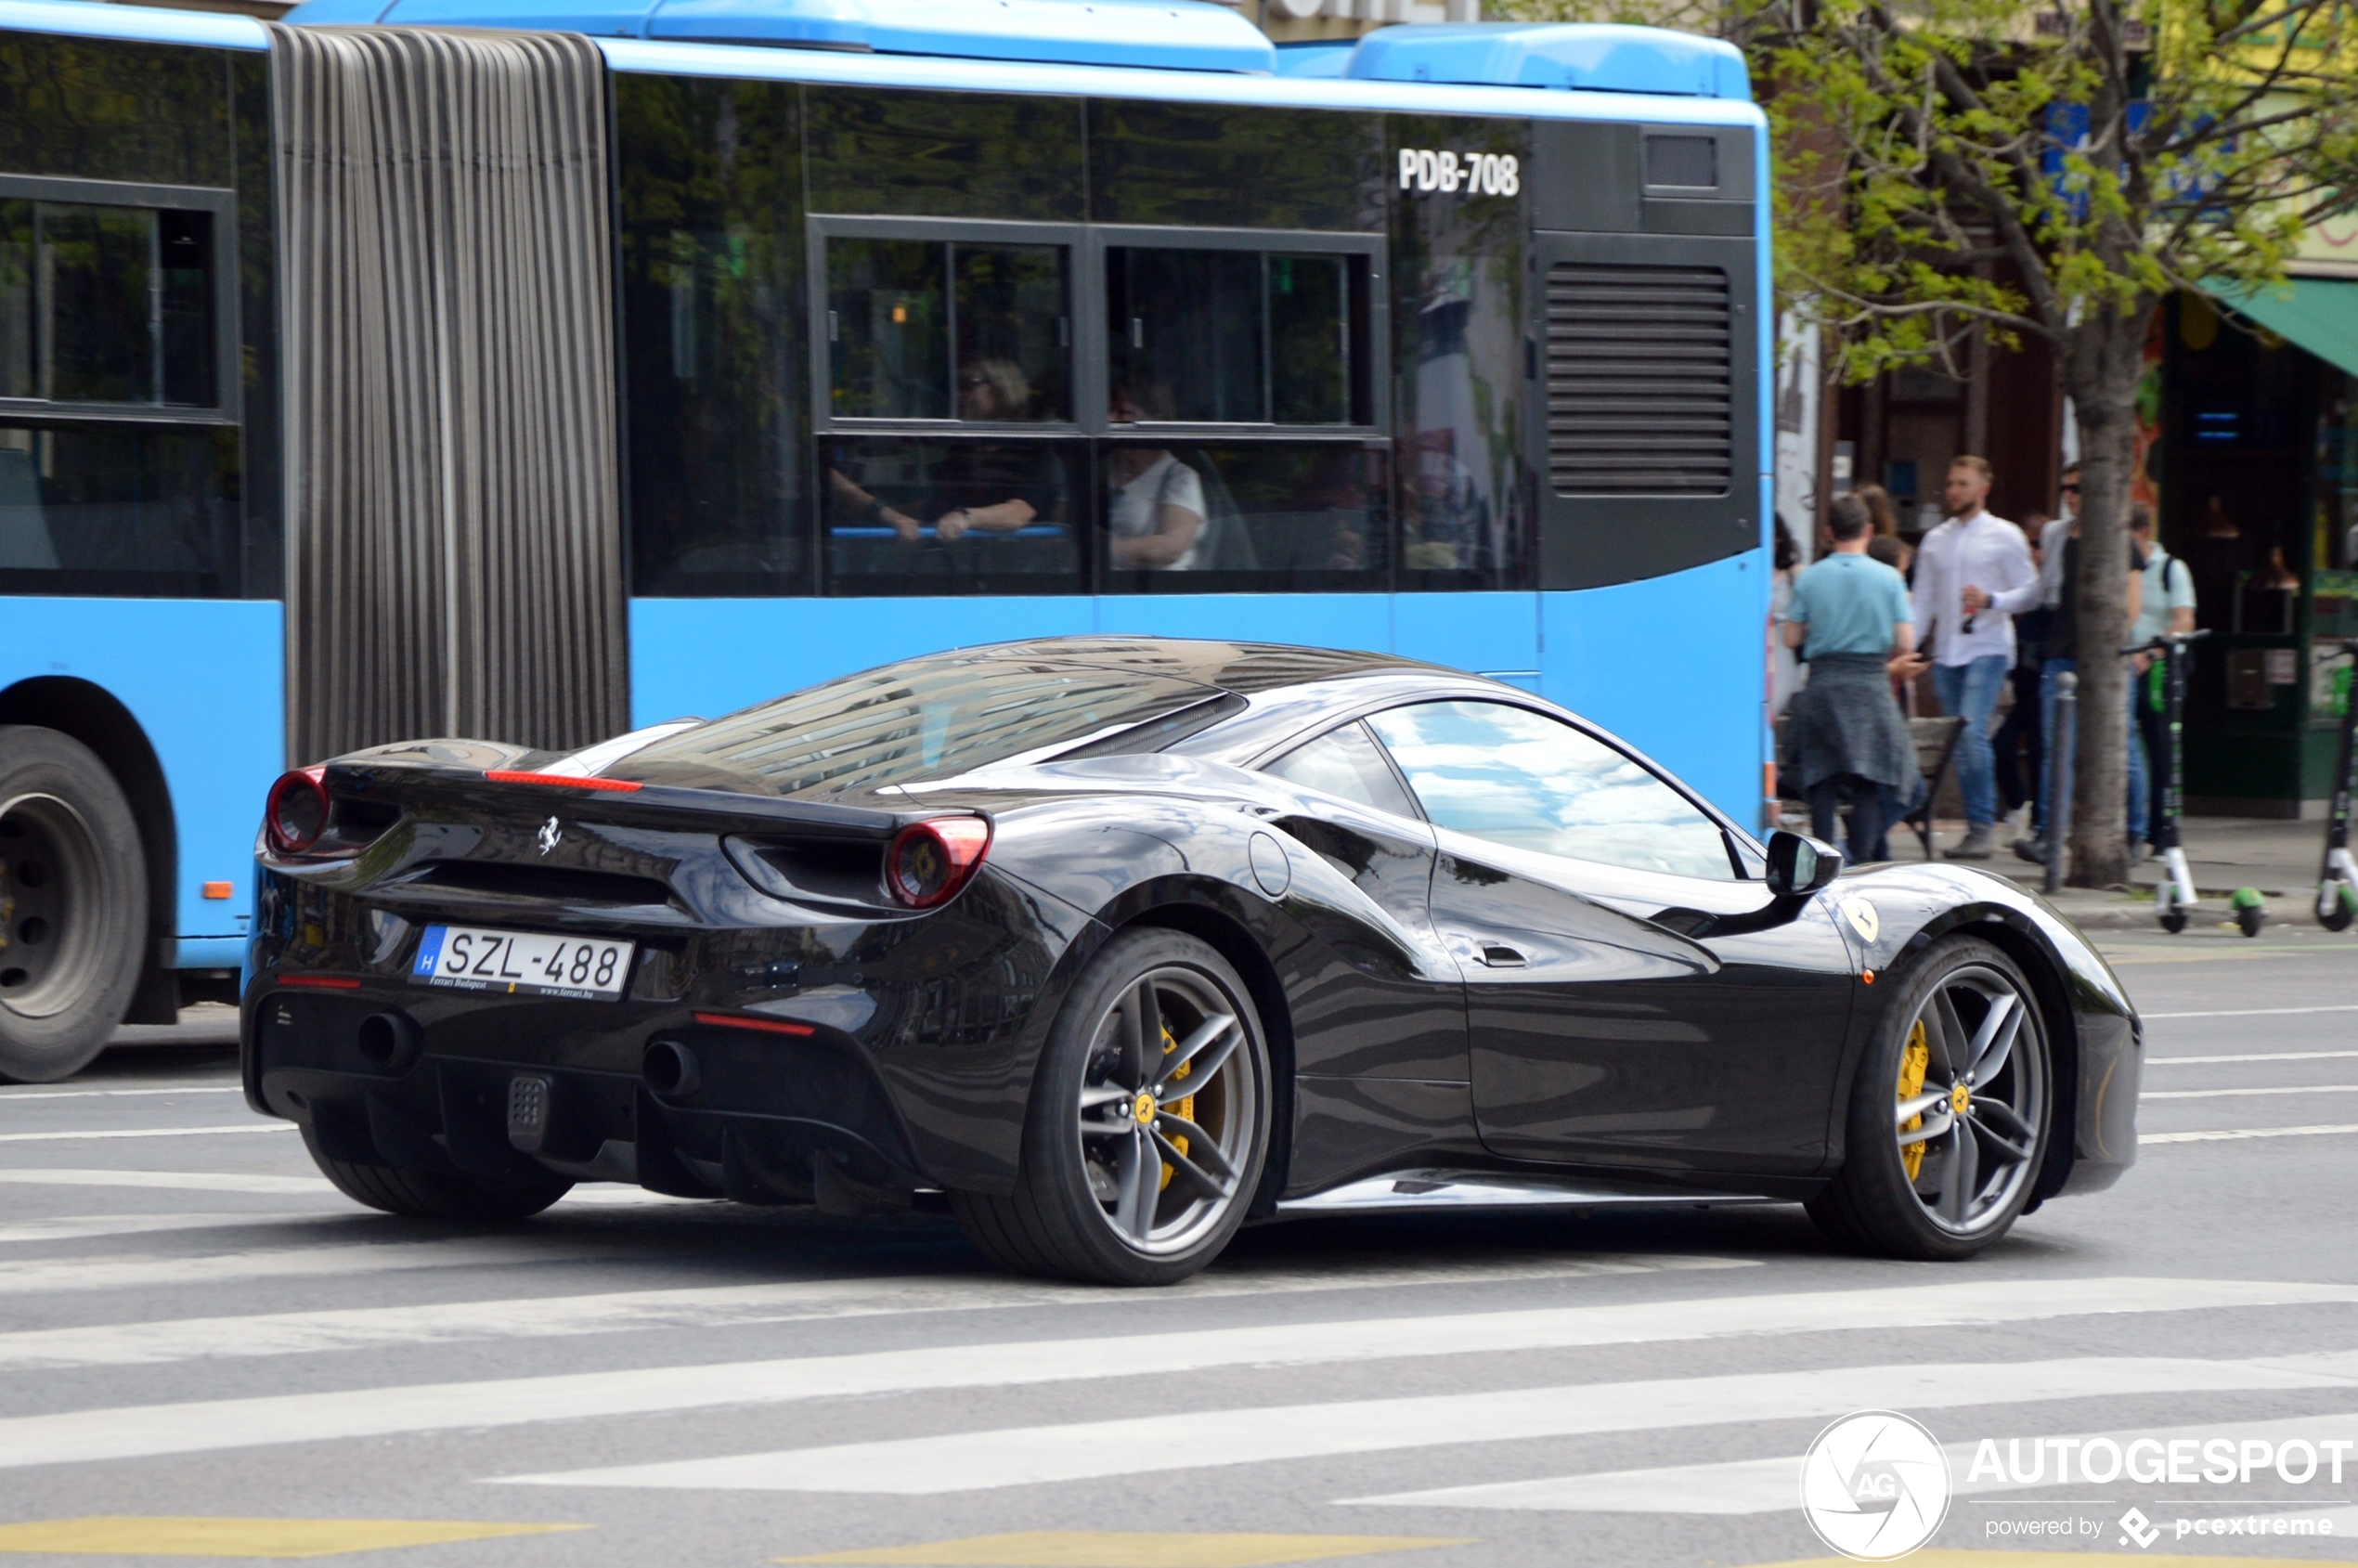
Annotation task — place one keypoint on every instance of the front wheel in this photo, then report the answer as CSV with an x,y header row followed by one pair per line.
x,y
1149,1121
73,904
2166,906
1948,1119
2337,904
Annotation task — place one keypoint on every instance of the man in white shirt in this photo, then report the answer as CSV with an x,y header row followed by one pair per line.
x,y
1974,575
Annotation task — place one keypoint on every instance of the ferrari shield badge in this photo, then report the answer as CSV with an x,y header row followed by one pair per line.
x,y
1862,918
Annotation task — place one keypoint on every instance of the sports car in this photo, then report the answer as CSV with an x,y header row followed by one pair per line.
x,y
1111,946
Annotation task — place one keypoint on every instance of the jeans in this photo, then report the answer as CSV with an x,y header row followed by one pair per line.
x,y
2139,786
1866,800
1970,691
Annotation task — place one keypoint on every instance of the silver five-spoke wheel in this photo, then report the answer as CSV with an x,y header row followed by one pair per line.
x,y
1166,1110
1968,1104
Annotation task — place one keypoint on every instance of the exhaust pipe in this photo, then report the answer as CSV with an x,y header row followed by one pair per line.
x,y
671,1068
387,1042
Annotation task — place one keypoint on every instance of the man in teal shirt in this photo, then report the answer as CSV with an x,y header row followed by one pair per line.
x,y
1851,618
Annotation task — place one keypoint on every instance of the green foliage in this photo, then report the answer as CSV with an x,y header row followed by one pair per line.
x,y
1947,166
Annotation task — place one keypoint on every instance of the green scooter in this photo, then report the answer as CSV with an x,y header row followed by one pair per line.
x,y
2174,898
2338,878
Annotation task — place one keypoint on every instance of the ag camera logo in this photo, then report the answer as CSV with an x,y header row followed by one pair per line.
x,y
1874,1485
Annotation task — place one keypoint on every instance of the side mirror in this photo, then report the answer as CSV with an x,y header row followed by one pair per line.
x,y
1800,866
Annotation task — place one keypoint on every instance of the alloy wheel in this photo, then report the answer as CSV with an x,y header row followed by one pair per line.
x,y
1972,1096
1167,1107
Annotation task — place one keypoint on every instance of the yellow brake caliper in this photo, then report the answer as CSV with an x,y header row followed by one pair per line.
x,y
1184,1108
1913,1065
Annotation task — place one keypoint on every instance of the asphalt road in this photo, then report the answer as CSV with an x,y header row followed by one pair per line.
x,y
201,1347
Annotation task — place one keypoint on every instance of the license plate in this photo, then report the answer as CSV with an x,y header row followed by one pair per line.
x,y
522,962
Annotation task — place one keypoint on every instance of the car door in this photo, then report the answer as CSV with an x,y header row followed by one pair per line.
x,y
1607,1024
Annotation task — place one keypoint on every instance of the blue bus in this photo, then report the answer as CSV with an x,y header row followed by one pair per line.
x,y
539,368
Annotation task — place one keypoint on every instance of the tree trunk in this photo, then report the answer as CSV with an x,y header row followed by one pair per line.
x,y
2100,370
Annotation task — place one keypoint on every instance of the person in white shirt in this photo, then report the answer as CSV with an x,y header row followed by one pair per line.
x,y
1974,575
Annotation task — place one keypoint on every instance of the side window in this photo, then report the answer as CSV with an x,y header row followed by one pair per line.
x,y
1517,778
1345,762
1236,337
936,330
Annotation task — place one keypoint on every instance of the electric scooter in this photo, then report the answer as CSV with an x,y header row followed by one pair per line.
x,y
2338,878
2174,898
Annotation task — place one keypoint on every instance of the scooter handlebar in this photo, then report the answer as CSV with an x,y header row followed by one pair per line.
x,y
2168,639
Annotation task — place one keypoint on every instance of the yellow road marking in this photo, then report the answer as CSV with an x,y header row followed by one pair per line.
x,y
1942,1558
1122,1549
120,1536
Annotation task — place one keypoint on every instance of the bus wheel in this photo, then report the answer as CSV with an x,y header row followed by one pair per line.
x,y
73,904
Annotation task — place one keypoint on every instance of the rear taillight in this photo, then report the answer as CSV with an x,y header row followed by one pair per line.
x,y
928,861
296,813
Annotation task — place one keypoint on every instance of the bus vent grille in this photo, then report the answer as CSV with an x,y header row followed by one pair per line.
x,y
1640,381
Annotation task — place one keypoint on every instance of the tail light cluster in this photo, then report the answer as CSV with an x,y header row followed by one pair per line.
x,y
296,813
928,861
300,817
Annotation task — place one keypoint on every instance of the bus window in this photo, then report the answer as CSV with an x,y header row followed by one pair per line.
x,y
1204,336
896,309
1242,516
106,304
908,515
125,509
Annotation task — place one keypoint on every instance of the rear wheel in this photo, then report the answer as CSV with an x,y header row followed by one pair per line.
x,y
1149,1122
1948,1122
73,904
2337,904
2166,906
426,1195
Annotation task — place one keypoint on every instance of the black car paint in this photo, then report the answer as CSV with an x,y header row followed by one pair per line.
x,y
1392,1048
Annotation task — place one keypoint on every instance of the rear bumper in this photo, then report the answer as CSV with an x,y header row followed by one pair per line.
x,y
506,1091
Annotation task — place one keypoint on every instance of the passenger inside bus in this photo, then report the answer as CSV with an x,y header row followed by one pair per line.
x,y
1155,519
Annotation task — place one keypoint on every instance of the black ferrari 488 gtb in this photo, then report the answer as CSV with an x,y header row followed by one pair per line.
x,y
1112,945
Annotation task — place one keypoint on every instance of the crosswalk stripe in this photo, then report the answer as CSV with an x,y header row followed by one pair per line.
x,y
171,1181
2236,1093
256,1126
296,1333
18,1096
81,1436
2250,1056
2226,1135
291,1263
78,1228
970,1461
2257,1012
1768,1485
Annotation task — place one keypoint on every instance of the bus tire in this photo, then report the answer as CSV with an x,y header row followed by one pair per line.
x,y
73,904
426,1195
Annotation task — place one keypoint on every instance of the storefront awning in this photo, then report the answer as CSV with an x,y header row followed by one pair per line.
x,y
2317,314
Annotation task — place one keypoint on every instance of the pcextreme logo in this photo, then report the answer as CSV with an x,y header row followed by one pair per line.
x,y
1874,1485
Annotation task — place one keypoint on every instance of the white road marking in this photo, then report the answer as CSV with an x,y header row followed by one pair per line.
x,y
2251,1056
174,1181
292,1263
78,1227
1769,1485
970,1461
255,1126
296,1333
211,1426
2225,1135
16,1096
2230,1093
2259,1012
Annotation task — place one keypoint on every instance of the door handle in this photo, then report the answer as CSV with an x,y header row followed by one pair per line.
x,y
1498,955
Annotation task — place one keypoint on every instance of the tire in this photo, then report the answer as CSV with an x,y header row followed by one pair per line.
x,y
74,905
2250,918
426,1195
2337,904
2172,912
1948,1206
1082,1208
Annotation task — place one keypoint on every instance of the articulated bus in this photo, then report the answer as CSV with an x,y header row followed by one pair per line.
x,y
537,369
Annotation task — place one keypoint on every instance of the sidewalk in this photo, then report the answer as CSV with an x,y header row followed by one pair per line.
x,y
2277,857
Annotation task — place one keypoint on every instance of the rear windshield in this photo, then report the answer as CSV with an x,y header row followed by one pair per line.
x,y
909,723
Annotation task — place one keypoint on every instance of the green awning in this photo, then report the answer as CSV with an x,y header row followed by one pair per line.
x,y
2318,314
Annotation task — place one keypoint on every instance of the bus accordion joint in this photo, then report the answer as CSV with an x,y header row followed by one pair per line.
x,y
562,781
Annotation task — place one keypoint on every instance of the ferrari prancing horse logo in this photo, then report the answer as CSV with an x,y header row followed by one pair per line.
x,y
1862,917
549,837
